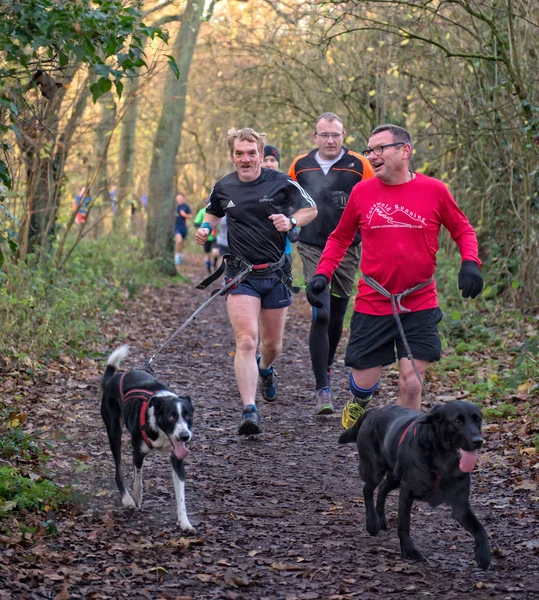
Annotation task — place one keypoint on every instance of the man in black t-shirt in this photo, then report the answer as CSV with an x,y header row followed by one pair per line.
x,y
256,203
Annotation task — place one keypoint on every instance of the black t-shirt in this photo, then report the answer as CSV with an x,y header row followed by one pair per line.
x,y
247,205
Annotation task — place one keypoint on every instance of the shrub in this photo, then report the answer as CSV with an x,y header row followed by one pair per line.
x,y
45,310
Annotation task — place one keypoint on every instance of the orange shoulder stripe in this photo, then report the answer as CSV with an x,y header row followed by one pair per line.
x,y
292,170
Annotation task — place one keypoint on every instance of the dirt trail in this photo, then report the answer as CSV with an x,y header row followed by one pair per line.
x,y
279,516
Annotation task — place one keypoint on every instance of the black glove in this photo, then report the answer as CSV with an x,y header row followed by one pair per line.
x,y
470,279
339,199
314,288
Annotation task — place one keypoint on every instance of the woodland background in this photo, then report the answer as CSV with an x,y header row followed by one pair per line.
x,y
135,97
89,98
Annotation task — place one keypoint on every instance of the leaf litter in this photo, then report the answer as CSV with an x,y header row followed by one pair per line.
x,y
278,516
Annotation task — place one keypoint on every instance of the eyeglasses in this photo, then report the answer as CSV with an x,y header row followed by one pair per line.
x,y
379,150
326,136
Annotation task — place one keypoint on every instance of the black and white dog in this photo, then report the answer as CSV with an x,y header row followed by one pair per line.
x,y
429,456
156,418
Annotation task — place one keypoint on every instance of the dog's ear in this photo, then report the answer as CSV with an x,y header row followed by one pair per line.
x,y
189,403
432,417
427,436
156,402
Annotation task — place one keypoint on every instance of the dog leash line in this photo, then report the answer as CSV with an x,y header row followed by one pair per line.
x,y
232,283
396,300
409,355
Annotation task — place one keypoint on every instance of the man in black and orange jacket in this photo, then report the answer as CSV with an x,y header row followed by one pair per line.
x,y
328,173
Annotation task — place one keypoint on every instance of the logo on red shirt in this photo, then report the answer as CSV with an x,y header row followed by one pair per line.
x,y
382,215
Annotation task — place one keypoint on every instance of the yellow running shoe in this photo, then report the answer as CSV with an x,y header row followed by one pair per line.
x,y
352,411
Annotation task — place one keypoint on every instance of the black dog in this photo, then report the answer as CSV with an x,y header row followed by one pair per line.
x,y
430,456
156,418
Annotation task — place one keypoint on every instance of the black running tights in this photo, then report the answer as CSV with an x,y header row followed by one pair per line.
x,y
326,330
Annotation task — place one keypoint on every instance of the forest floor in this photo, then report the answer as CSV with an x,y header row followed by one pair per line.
x,y
279,516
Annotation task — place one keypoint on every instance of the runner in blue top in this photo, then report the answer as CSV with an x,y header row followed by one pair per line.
x,y
183,214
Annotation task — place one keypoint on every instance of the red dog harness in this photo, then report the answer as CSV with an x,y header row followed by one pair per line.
x,y
145,396
438,476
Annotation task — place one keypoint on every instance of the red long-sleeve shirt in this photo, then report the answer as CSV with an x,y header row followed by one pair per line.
x,y
399,227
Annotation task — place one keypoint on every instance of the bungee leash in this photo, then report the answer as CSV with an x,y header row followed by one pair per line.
x,y
238,278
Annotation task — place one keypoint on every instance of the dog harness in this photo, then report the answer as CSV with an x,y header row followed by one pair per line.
x,y
414,423
436,485
146,397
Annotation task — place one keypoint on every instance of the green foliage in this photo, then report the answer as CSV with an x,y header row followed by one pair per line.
x,y
466,322
501,411
17,491
528,358
41,38
45,312
63,33
535,440
23,482
17,445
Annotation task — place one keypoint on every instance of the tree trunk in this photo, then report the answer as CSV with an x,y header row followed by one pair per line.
x,y
161,188
45,156
126,155
107,120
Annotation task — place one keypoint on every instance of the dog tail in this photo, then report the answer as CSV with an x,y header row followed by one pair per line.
x,y
350,435
114,361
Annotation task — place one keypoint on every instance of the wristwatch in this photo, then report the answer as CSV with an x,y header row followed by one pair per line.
x,y
294,222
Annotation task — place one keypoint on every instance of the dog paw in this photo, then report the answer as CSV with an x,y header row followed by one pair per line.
x,y
411,553
383,521
482,557
128,502
373,524
186,527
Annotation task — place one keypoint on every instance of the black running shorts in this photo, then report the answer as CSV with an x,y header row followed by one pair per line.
x,y
272,293
373,339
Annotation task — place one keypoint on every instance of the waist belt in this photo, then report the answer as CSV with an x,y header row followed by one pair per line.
x,y
235,261
396,297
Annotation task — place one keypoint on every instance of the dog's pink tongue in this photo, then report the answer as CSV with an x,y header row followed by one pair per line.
x,y
179,448
467,460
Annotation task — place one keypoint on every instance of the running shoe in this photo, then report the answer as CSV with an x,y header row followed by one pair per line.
x,y
352,410
269,386
250,421
324,402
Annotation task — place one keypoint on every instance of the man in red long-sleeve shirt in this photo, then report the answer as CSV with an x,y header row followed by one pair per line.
x,y
399,214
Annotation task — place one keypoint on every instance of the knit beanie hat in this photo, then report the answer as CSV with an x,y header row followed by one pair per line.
x,y
272,151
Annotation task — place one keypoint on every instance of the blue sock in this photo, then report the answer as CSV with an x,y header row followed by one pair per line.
x,y
362,393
